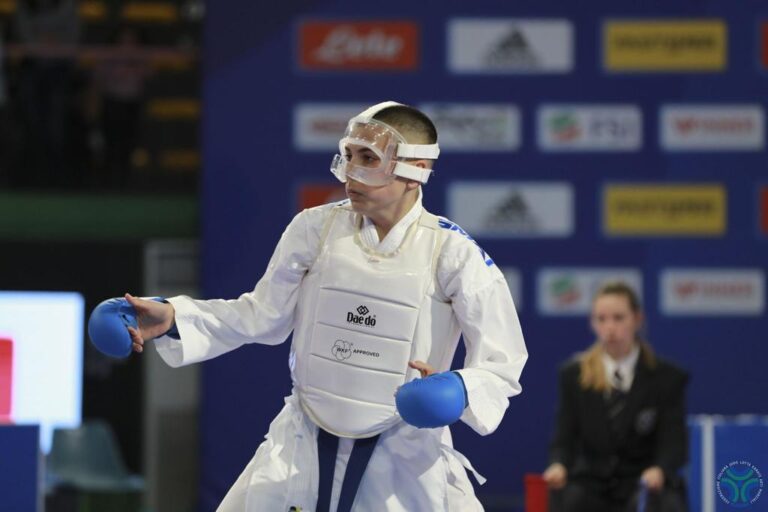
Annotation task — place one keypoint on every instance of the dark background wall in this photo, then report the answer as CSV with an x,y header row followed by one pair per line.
x,y
252,172
112,389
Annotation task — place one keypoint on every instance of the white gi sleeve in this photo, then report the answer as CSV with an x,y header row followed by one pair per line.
x,y
495,349
209,328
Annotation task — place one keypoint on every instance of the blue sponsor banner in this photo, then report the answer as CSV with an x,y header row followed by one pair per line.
x,y
260,146
19,468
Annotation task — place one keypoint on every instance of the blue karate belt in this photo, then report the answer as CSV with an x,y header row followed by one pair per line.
x,y
327,448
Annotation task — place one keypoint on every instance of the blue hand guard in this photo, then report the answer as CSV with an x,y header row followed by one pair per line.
x,y
433,401
108,326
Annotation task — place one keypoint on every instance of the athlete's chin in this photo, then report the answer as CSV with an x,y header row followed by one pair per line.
x,y
359,208
357,202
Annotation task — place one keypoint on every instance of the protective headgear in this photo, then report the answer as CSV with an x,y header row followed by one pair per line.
x,y
383,146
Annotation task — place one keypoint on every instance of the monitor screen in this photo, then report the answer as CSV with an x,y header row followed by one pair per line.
x,y
41,360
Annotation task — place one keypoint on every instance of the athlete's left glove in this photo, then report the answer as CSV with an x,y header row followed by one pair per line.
x,y
433,401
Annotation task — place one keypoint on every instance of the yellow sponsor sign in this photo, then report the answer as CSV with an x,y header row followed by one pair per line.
x,y
645,210
682,45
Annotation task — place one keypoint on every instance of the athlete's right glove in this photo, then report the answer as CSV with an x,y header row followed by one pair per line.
x,y
433,401
108,326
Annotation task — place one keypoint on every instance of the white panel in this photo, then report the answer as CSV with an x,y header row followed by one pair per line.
x,y
569,291
509,45
475,126
712,292
512,209
712,127
590,128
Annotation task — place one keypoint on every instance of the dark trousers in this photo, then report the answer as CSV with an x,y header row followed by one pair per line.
x,y
582,497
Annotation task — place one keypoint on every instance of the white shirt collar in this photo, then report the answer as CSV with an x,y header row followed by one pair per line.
x,y
394,238
625,365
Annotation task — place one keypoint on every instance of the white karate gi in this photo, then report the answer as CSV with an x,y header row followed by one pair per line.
x,y
411,469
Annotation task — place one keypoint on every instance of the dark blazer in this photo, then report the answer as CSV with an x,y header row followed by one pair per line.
x,y
651,428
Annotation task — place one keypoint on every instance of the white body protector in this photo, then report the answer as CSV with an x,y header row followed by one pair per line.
x,y
362,316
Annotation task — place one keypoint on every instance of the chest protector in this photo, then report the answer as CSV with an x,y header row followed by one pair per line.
x,y
361,317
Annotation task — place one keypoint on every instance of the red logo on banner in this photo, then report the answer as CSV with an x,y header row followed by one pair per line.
x,y
764,44
764,209
315,195
6,379
364,45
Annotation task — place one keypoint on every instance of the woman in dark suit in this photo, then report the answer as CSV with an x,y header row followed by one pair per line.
x,y
621,418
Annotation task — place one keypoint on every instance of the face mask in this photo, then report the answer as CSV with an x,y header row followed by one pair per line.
x,y
370,149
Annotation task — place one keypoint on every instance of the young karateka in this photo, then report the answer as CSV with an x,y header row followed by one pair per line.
x,y
377,292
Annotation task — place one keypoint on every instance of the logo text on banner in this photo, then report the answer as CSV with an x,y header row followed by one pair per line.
x,y
320,126
475,126
664,209
763,209
510,45
764,44
665,45
512,209
712,127
590,128
739,484
712,292
358,45
569,291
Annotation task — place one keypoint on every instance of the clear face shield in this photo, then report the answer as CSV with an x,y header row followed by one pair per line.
x,y
369,153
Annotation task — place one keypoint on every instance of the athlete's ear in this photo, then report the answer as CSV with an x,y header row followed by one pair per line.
x,y
411,184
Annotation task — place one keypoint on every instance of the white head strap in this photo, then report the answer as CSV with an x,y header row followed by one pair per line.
x,y
404,150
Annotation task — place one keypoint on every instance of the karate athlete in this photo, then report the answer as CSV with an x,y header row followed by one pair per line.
x,y
377,292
